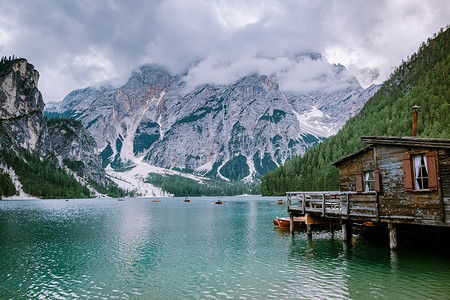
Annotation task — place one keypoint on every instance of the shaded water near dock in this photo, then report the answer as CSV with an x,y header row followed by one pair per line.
x,y
104,248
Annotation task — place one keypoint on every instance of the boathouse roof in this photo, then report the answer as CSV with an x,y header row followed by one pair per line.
x,y
396,141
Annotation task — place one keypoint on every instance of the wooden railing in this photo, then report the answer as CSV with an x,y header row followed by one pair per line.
x,y
332,204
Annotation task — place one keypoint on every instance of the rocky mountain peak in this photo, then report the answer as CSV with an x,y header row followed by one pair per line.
x,y
152,77
23,127
21,104
19,95
231,131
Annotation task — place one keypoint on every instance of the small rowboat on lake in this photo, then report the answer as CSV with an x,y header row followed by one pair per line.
x,y
218,202
187,200
286,222
280,201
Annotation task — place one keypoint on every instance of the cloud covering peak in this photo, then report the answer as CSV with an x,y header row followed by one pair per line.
x,y
77,43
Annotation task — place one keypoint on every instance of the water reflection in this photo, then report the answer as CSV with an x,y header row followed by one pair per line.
x,y
172,250
394,260
133,242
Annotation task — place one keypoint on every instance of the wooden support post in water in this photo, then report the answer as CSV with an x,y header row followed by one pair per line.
x,y
308,230
346,230
392,236
332,227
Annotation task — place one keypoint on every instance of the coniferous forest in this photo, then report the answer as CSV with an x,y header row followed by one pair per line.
x,y
423,80
42,178
181,186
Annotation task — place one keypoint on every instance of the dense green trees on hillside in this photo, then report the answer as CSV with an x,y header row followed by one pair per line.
x,y
44,179
7,187
422,80
182,186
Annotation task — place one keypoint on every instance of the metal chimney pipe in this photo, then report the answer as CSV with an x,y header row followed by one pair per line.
x,y
415,114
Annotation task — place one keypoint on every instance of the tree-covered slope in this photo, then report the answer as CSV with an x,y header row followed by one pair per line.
x,y
423,79
50,159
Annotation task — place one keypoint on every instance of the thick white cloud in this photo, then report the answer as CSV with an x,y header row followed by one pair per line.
x,y
76,43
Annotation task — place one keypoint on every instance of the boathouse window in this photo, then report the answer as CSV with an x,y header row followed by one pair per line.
x,y
419,172
368,181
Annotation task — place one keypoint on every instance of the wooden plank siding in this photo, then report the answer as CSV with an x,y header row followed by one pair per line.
x,y
394,199
392,202
349,169
444,174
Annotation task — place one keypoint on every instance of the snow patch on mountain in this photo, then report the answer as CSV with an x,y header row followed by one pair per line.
x,y
203,169
135,179
310,122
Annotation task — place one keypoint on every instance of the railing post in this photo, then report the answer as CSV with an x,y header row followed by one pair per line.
x,y
303,203
291,223
348,205
323,205
288,202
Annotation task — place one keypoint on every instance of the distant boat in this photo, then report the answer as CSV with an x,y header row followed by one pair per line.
x,y
218,202
155,200
120,199
286,222
280,201
186,200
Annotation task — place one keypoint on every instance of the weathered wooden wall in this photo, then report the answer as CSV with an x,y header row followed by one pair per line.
x,y
394,203
394,200
348,169
444,170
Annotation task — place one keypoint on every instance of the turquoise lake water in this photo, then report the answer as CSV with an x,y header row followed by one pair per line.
x,y
138,249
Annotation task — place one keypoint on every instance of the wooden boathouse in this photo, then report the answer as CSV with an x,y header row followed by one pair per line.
x,y
391,181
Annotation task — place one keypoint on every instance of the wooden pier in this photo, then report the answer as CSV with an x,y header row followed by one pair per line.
x,y
391,181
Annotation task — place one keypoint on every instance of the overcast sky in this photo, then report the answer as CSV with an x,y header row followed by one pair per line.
x,y
74,44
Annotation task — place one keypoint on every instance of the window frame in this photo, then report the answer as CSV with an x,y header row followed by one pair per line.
x,y
430,159
420,172
369,183
361,182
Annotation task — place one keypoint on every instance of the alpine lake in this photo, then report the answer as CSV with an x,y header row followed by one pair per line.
x,y
139,249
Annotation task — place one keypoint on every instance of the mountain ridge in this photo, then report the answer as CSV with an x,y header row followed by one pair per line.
x,y
42,152
211,128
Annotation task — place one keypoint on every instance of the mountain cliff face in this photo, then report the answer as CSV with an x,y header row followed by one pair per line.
x,y
235,131
21,106
24,128
76,149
